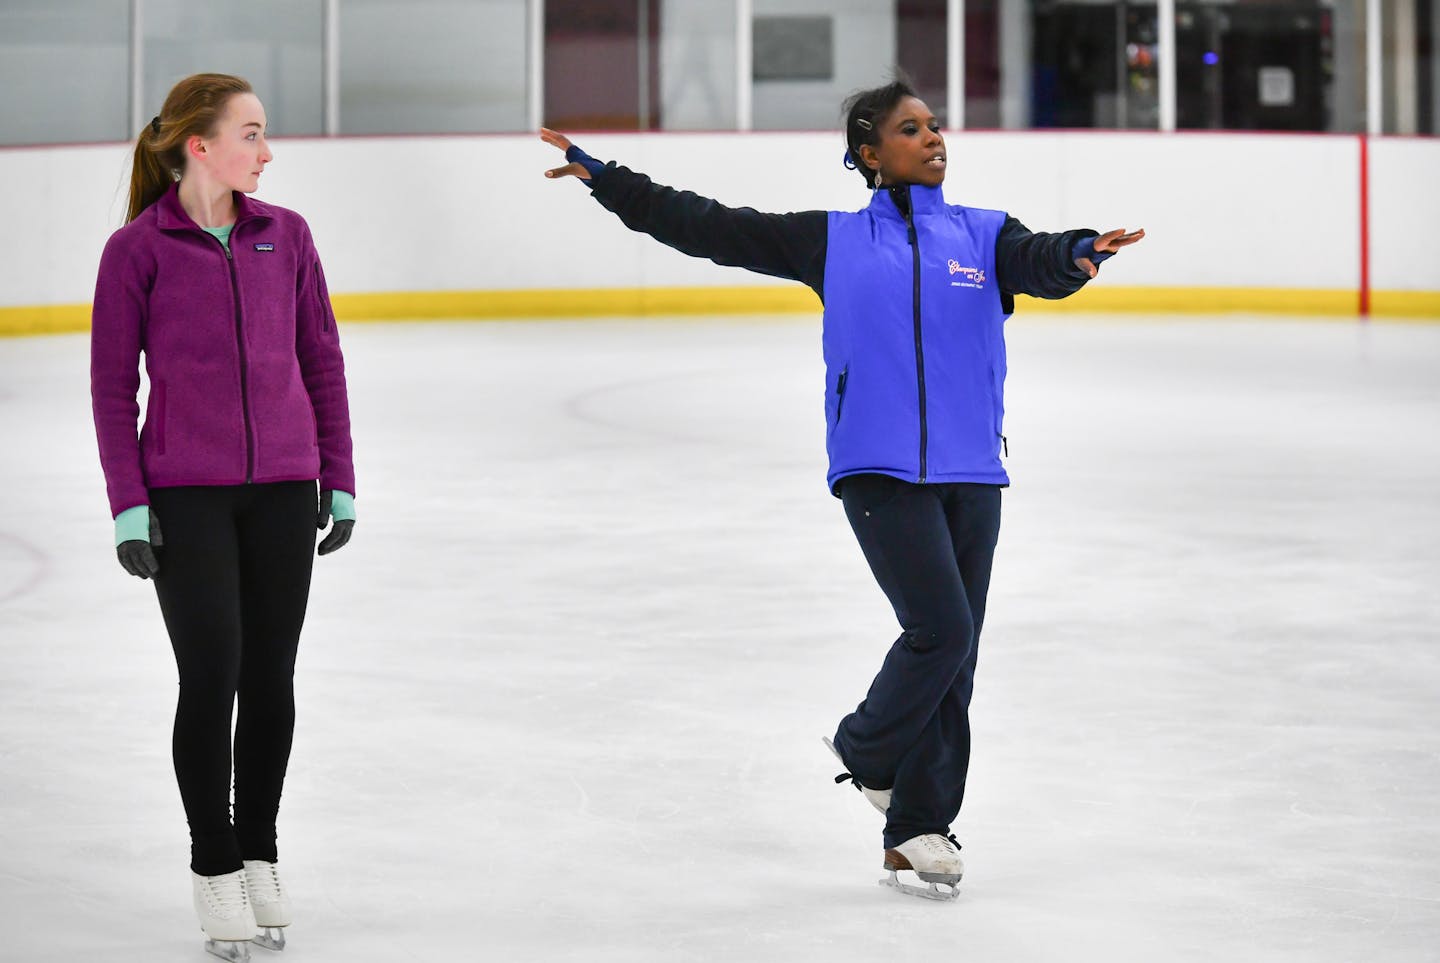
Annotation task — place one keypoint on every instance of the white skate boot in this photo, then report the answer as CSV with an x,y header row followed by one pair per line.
x,y
879,798
932,857
225,914
271,905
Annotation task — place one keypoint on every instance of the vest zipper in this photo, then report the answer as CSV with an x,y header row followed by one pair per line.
x,y
240,344
919,340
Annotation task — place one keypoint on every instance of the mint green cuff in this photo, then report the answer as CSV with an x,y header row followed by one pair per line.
x,y
342,506
133,523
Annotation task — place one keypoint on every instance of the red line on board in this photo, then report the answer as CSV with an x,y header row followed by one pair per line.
x,y
1364,226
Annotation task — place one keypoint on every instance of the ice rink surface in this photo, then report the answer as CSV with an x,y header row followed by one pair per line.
x,y
562,696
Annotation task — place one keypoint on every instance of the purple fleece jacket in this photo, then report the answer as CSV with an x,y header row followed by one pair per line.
x,y
247,383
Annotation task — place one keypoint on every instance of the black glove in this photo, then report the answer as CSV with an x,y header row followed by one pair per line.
x,y
339,532
137,556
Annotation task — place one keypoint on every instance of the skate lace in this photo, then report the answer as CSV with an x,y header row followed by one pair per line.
x,y
265,883
225,895
940,845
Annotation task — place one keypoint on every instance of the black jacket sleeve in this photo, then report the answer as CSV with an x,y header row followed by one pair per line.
x,y
782,245
1039,265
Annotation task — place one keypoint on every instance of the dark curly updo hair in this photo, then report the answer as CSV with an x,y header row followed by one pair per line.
x,y
864,112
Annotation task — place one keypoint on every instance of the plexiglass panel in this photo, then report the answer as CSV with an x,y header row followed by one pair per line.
x,y
274,44
432,66
64,67
982,64
854,41
697,65
1412,66
920,50
602,64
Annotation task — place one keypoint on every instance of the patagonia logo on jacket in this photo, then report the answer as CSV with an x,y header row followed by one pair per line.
x,y
264,246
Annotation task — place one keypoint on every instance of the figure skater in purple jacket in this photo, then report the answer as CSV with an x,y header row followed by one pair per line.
x,y
215,499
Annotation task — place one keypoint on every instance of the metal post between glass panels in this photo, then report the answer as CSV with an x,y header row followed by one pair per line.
x,y
535,61
744,65
137,68
955,64
1374,76
1166,55
330,66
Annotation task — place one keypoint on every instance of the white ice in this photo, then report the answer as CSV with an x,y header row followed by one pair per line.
x,y
562,698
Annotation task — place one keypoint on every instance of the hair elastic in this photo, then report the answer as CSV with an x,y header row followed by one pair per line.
x,y
848,161
155,124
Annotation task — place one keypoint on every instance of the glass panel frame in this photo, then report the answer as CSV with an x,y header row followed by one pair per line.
x,y
398,67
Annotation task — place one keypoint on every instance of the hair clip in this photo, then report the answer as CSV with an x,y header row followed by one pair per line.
x,y
848,161
864,124
155,124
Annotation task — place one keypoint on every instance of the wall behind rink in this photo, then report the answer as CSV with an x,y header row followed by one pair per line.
x,y
461,226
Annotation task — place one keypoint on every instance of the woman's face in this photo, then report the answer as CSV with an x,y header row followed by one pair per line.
x,y
236,154
911,150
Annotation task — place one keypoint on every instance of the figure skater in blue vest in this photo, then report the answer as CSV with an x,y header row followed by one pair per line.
x,y
916,293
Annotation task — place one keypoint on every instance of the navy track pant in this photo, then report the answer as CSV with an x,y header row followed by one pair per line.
x,y
930,548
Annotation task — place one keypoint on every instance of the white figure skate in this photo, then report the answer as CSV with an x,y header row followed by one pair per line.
x,y
879,798
225,914
269,901
932,857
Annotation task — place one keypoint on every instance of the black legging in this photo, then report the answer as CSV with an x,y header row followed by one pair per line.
x,y
930,548
233,583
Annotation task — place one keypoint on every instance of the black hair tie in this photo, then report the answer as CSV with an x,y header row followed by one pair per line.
x,y
155,125
848,161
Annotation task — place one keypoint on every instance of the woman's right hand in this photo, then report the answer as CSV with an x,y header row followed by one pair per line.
x,y
572,169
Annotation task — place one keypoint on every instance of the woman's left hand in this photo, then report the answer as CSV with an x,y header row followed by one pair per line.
x,y
340,528
1109,243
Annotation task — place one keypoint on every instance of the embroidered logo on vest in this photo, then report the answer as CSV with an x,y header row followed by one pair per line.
x,y
264,247
972,277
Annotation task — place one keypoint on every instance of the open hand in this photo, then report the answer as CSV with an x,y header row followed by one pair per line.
x,y
1109,242
556,139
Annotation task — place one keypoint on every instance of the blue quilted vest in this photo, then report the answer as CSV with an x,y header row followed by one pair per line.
x,y
914,342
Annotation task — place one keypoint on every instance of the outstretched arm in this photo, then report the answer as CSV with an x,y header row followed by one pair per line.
x,y
1045,265
782,245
